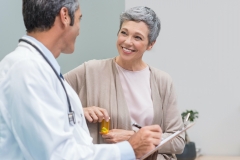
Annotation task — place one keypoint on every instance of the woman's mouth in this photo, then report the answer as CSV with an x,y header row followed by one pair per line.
x,y
126,50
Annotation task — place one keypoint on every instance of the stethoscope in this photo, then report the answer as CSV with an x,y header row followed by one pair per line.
x,y
71,114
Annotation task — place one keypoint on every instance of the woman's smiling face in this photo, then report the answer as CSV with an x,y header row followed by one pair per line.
x,y
133,41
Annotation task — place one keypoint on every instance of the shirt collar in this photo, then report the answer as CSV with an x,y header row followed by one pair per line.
x,y
48,54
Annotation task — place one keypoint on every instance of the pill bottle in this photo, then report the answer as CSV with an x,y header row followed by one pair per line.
x,y
105,126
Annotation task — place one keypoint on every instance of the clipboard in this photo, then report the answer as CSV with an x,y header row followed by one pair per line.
x,y
165,140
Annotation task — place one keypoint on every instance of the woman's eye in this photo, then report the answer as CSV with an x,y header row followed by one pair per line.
x,y
123,32
138,38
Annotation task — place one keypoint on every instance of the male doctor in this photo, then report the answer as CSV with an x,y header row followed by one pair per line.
x,y
41,117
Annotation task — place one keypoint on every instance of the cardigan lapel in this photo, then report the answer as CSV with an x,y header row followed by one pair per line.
x,y
157,101
123,116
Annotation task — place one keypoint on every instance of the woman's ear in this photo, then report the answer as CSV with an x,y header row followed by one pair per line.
x,y
151,45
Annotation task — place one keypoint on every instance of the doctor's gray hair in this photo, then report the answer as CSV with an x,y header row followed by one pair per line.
x,y
146,15
39,15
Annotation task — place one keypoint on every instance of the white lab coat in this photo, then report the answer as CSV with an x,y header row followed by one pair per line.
x,y
33,114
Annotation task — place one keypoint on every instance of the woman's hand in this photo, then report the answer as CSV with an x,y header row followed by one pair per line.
x,y
95,114
117,135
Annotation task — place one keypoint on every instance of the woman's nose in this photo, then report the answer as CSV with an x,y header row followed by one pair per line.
x,y
129,40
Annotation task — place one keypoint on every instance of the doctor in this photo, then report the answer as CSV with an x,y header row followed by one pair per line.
x,y
41,117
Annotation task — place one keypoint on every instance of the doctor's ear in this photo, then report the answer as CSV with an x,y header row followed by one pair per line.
x,y
64,16
151,45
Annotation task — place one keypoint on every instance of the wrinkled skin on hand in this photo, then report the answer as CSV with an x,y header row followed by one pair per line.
x,y
117,135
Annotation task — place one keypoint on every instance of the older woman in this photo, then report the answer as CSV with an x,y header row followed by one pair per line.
x,y
127,89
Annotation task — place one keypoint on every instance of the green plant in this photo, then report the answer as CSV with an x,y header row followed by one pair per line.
x,y
192,117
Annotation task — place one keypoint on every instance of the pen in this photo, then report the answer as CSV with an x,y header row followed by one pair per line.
x,y
186,120
136,125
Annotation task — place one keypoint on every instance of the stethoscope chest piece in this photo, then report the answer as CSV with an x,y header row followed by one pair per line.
x,y
71,117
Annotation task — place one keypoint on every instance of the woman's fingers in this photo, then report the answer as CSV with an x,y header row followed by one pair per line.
x,y
88,117
107,136
104,115
95,114
117,135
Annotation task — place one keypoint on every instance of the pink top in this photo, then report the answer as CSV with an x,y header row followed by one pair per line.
x,y
137,92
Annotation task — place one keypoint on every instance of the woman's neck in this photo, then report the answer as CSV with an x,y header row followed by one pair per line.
x,y
130,65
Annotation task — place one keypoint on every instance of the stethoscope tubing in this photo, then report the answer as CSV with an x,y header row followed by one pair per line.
x,y
71,112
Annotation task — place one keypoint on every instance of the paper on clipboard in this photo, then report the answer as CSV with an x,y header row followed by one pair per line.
x,y
165,140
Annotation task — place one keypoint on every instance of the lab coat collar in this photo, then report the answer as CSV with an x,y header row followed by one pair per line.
x,y
45,51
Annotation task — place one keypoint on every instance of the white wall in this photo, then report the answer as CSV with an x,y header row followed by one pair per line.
x,y
199,46
99,26
12,26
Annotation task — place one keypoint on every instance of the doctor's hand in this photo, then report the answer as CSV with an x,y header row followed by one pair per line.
x,y
146,139
117,135
95,114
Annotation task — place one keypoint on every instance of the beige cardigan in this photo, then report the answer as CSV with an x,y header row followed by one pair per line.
x,y
97,84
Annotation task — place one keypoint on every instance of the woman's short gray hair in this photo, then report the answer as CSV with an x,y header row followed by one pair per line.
x,y
146,15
